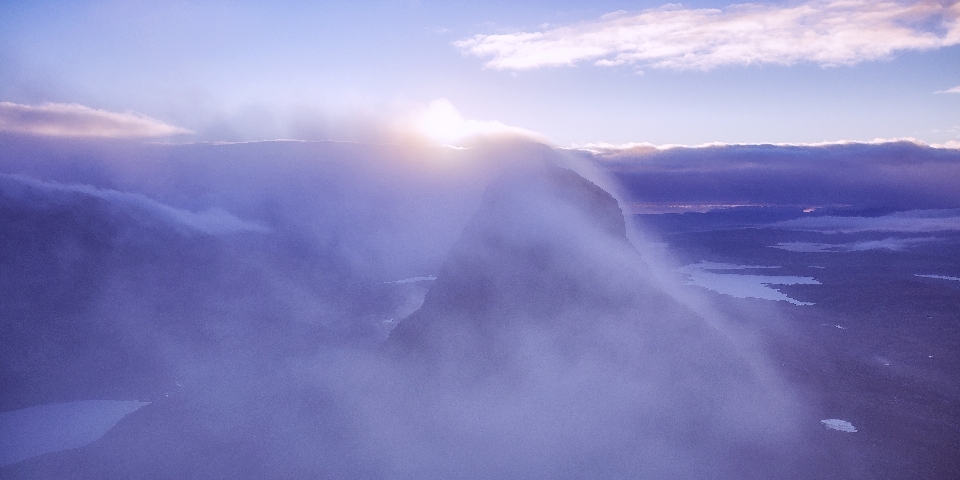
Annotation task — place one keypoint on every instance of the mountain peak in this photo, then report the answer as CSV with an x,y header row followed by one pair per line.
x,y
536,249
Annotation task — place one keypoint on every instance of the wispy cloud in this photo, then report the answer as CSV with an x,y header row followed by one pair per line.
x,y
950,90
413,280
73,120
212,221
893,244
939,277
913,222
826,33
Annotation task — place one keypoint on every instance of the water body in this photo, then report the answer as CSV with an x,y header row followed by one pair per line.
x,y
740,285
34,431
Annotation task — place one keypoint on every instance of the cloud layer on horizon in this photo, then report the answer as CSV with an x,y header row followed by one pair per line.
x,y
892,244
74,120
826,33
893,175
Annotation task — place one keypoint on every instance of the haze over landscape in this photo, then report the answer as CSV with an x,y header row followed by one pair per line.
x,y
398,239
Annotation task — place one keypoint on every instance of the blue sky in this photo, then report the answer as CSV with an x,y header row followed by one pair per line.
x,y
355,70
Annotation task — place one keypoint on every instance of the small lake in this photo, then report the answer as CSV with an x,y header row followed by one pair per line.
x,y
739,285
34,431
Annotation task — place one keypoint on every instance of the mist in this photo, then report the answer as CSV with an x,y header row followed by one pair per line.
x,y
347,310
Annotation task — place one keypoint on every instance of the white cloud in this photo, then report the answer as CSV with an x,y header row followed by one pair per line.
x,y
212,221
73,120
950,90
826,33
912,221
954,144
441,122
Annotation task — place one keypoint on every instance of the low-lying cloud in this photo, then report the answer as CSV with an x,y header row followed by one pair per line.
x,y
893,244
938,277
212,221
909,222
73,120
825,33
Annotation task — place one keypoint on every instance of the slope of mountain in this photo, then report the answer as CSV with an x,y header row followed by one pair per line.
x,y
545,348
545,309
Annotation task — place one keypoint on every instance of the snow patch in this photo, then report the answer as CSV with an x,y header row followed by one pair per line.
x,y
837,424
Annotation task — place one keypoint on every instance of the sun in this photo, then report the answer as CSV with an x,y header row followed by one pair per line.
x,y
442,123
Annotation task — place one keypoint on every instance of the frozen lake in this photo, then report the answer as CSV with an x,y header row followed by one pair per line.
x,y
34,431
739,285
